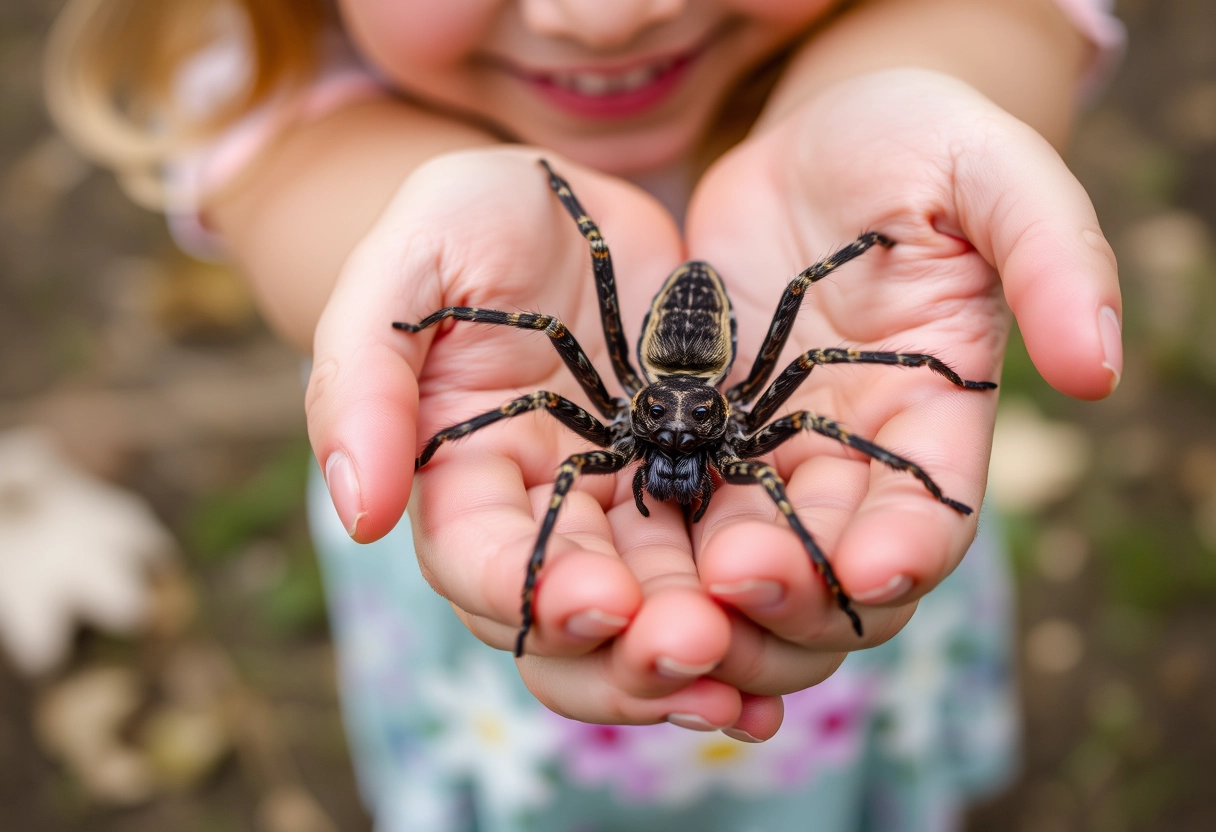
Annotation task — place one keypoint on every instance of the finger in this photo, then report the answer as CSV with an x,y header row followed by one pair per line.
x,y
476,529
362,399
756,565
760,719
679,634
1030,218
761,663
901,542
582,688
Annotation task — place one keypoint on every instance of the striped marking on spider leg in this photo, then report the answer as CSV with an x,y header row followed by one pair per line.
x,y
744,472
792,376
782,429
594,462
562,409
605,283
563,341
522,320
787,312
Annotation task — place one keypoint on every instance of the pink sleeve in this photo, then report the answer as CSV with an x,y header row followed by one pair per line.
x,y
190,178
1095,20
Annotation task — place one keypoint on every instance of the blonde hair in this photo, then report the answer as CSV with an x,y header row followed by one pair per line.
x,y
112,65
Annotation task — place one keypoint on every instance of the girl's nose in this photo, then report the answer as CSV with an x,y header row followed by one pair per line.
x,y
599,24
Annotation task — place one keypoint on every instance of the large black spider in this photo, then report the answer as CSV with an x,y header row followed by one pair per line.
x,y
677,422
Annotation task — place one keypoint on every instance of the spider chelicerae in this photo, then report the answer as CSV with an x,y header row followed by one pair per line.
x,y
675,420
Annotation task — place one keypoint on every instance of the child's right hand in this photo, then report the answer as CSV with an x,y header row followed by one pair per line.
x,y
482,228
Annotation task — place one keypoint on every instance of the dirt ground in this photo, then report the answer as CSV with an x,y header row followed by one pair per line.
x,y
156,375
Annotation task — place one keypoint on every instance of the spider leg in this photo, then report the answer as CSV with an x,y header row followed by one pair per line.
x,y
605,283
594,462
787,311
746,472
565,343
707,491
639,486
785,384
564,410
773,435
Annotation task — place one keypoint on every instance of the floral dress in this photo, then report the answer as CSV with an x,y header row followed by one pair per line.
x,y
446,738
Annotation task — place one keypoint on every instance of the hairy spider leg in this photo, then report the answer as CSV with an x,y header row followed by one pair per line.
x,y
605,283
773,435
746,472
594,462
785,384
787,312
639,490
707,491
562,409
565,343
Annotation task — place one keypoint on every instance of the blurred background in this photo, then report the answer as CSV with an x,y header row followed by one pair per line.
x,y
164,660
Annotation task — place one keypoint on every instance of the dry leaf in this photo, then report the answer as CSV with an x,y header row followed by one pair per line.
x,y
73,550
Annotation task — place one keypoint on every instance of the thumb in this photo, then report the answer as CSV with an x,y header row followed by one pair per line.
x,y
1028,216
362,399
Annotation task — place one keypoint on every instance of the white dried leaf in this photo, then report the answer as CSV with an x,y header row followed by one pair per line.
x,y
73,550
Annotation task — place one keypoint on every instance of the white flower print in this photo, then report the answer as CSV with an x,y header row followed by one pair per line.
x,y
489,738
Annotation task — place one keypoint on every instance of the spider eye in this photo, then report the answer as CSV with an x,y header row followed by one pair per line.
x,y
701,413
657,411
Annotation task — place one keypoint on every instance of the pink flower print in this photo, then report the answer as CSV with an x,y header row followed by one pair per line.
x,y
595,755
830,722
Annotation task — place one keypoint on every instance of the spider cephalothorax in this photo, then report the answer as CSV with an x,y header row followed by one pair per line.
x,y
676,422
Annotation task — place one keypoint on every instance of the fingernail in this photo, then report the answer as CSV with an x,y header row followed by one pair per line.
x,y
1112,344
673,669
344,490
892,589
692,722
755,593
740,735
594,624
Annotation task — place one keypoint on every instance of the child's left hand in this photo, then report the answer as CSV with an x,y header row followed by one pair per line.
x,y
967,191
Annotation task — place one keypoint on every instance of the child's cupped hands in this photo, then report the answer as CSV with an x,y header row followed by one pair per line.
x,y
483,229
967,191
635,623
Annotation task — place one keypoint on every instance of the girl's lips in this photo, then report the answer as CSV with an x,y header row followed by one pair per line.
x,y
622,93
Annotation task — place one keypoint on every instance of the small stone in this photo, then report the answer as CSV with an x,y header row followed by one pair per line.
x,y
80,721
1181,673
1062,553
1136,452
1197,473
1054,646
1035,462
291,809
184,745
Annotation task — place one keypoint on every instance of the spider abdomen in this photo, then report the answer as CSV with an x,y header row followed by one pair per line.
x,y
690,328
679,477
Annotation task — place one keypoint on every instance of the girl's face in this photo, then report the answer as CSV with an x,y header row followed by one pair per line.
x,y
620,85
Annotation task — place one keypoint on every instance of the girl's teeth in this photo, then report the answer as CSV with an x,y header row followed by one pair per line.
x,y
589,83
637,78
595,85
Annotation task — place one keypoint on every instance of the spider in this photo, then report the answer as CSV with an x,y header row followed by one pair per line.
x,y
675,420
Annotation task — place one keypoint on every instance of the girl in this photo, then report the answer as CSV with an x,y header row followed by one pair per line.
x,y
360,163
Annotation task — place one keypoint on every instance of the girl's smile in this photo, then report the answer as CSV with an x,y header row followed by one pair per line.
x,y
627,87
611,91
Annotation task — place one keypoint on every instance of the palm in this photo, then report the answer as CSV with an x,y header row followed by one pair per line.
x,y
484,230
784,200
